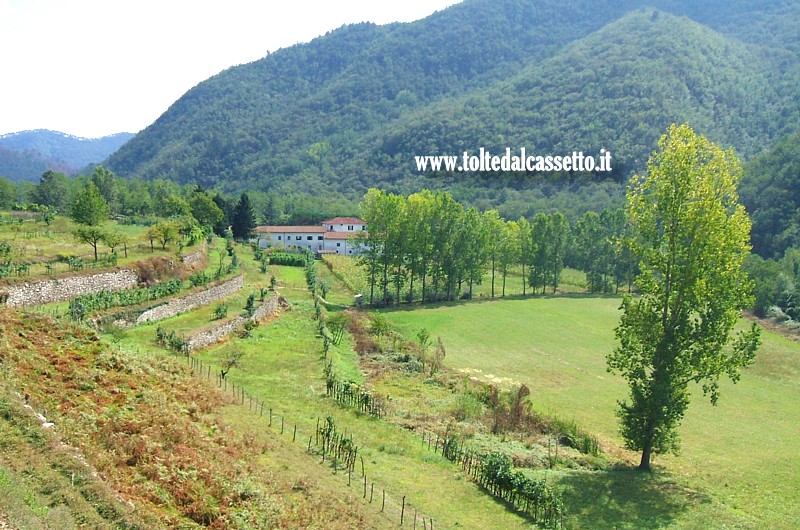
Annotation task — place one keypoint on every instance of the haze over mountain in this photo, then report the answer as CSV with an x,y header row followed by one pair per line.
x,y
350,110
26,155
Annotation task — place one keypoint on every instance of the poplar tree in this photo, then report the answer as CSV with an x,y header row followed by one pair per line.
x,y
691,237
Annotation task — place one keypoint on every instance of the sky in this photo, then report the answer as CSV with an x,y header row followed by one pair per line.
x,y
96,67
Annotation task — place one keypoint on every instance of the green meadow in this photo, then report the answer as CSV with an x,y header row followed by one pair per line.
x,y
737,467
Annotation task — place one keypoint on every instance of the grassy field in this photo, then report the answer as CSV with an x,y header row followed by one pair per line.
x,y
355,279
36,243
283,366
737,468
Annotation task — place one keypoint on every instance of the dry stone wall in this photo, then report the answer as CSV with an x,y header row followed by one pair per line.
x,y
189,302
223,329
195,258
60,289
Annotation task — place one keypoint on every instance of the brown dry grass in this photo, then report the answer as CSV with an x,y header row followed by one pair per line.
x,y
157,436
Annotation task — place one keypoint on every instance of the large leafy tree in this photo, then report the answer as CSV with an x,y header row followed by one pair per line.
x,y
51,190
691,237
205,210
558,238
89,208
538,253
91,235
106,184
594,249
8,193
494,231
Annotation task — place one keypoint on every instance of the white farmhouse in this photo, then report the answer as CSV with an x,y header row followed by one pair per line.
x,y
332,236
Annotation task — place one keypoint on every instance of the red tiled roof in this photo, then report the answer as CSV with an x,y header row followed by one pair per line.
x,y
290,229
343,221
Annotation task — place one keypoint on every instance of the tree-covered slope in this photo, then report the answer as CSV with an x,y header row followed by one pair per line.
x,y
27,154
771,193
25,165
618,89
350,109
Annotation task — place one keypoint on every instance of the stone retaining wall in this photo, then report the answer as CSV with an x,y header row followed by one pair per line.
x,y
195,258
189,302
223,329
60,289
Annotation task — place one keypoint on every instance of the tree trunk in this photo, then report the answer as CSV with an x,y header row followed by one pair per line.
x,y
647,452
372,284
492,276
385,283
397,286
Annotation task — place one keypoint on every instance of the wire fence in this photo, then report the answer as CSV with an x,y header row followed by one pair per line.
x,y
335,449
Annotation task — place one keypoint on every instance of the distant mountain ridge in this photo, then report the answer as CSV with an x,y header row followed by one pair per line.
x,y
350,109
25,155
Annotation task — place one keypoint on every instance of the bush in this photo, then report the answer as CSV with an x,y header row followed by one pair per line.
x,y
467,407
220,311
199,279
288,259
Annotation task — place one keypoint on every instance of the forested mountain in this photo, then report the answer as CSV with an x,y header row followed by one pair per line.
x,y
350,110
25,165
26,155
771,192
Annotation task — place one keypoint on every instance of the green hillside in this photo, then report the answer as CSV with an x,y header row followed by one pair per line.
x,y
350,109
771,192
616,89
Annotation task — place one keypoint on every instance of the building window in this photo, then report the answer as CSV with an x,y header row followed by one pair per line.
x,y
338,244
279,238
349,227
330,227
310,238
298,238
319,238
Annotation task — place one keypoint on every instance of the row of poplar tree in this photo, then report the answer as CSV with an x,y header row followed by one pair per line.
x,y
428,247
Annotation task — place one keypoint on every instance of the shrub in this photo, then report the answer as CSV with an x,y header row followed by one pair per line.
x,y
467,407
250,306
220,311
288,259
